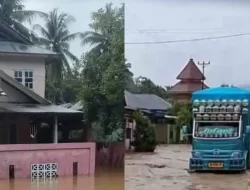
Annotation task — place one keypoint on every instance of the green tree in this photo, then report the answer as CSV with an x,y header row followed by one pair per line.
x,y
72,83
103,25
145,85
129,80
183,112
144,134
104,78
14,14
56,36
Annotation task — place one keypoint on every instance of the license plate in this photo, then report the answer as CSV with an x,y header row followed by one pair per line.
x,y
215,165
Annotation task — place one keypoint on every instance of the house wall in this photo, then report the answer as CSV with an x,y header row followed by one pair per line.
x,y
23,155
129,128
181,97
23,129
37,65
112,155
161,133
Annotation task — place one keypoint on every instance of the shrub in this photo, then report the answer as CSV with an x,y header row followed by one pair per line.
x,y
144,134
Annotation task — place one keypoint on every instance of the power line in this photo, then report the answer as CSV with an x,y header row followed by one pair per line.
x,y
191,40
141,21
176,29
155,31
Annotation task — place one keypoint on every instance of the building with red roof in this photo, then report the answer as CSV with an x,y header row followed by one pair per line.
x,y
191,79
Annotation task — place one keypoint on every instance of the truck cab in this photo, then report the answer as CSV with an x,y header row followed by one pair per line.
x,y
220,129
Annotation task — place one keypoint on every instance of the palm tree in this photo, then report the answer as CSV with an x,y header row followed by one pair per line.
x,y
56,36
13,13
99,38
129,80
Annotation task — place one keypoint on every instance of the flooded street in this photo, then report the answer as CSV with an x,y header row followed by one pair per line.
x,y
104,180
167,169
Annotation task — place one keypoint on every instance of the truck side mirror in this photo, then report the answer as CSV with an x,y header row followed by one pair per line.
x,y
185,129
248,129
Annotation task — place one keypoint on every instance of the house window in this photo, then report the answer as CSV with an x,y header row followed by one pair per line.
x,y
25,77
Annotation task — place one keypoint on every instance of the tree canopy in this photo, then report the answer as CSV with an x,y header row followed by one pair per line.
x,y
13,13
104,76
55,35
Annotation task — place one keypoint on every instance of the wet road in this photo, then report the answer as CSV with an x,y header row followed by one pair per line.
x,y
105,179
166,169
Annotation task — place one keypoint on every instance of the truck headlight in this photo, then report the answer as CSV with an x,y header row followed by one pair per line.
x,y
196,154
236,155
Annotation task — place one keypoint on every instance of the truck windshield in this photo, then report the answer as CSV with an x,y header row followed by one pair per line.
x,y
216,130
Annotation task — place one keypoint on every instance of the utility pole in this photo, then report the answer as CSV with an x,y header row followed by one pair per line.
x,y
203,65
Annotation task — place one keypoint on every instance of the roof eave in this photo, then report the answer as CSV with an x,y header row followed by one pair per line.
x,y
23,88
29,54
187,78
49,58
180,92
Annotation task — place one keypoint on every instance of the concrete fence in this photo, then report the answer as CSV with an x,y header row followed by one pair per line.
x,y
110,155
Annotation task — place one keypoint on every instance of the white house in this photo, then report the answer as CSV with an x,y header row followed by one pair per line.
x,y
34,134
23,60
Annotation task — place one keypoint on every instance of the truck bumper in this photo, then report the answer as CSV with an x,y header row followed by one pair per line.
x,y
232,164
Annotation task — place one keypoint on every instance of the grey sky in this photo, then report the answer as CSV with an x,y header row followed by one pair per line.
x,y
173,20
80,9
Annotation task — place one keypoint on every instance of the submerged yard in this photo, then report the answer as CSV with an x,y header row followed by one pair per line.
x,y
167,169
104,179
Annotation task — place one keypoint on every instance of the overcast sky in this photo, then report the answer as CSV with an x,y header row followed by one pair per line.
x,y
163,20
80,9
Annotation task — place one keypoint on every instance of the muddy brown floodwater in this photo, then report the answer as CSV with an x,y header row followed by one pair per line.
x,y
167,169
105,179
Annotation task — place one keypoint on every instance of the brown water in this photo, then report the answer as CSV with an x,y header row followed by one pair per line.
x,y
167,169
104,180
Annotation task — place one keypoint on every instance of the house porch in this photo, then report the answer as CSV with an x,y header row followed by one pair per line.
x,y
44,145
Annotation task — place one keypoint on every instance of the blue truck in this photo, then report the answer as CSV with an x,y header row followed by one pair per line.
x,y
220,129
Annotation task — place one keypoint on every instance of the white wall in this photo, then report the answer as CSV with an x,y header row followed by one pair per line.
x,y
36,64
132,126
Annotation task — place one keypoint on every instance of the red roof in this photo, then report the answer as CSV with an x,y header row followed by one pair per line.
x,y
187,87
191,72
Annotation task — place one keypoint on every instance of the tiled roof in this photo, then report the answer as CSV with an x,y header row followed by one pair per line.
x,y
187,87
18,48
35,108
13,41
191,72
146,101
135,101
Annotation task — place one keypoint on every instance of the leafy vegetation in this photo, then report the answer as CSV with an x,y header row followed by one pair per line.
x,y
103,76
145,85
100,36
183,112
99,78
14,14
144,134
72,83
55,35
